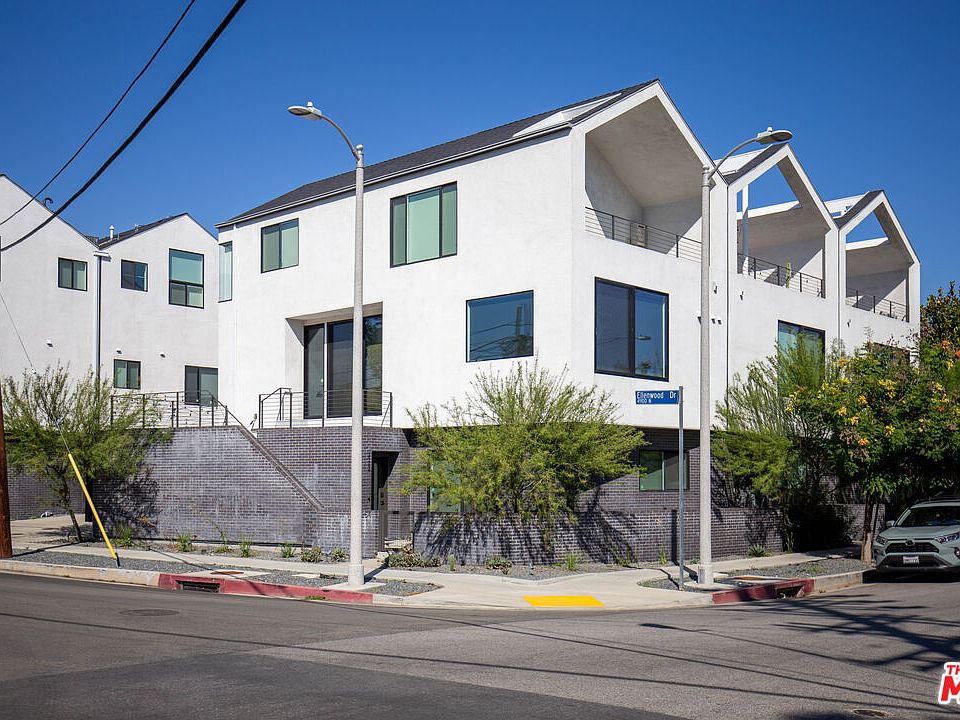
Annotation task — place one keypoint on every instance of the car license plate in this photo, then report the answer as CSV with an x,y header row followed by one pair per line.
x,y
911,559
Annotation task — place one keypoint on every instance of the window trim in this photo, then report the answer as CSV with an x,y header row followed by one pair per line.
x,y
490,297
821,333
202,286
440,255
663,470
128,363
632,313
73,274
146,275
279,226
198,368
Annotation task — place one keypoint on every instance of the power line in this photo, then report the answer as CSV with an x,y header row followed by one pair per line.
x,y
143,123
108,115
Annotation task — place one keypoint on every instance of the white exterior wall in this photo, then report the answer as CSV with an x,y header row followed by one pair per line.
x,y
512,235
42,311
144,326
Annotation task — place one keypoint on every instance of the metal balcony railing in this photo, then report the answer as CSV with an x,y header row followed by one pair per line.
x,y
285,408
640,235
878,305
173,409
779,275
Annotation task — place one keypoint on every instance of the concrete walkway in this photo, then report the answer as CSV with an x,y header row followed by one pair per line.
x,y
618,589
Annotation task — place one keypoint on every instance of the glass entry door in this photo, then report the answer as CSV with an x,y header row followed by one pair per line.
x,y
328,368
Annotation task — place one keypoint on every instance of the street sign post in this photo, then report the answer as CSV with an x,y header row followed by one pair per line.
x,y
672,397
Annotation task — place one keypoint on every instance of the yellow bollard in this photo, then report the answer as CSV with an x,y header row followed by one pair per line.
x,y
96,515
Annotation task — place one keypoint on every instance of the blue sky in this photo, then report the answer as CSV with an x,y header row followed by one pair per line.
x,y
869,89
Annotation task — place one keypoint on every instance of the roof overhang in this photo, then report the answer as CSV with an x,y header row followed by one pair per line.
x,y
895,243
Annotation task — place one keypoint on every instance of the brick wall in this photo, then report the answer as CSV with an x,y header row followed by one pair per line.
x,y
30,496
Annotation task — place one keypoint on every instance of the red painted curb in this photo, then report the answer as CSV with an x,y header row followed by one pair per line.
x,y
235,586
767,591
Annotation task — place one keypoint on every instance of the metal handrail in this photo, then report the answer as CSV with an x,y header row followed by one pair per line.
x,y
290,409
176,409
775,274
640,235
874,304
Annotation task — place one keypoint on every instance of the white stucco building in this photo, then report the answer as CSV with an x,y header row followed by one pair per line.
x,y
141,303
572,236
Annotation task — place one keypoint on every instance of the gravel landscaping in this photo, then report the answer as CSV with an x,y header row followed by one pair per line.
x,y
537,572
392,587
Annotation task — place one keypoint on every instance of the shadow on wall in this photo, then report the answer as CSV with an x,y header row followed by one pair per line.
x,y
128,501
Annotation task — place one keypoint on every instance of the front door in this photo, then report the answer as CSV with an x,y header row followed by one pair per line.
x,y
380,503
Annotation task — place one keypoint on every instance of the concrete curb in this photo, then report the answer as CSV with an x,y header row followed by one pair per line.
x,y
794,587
145,578
237,586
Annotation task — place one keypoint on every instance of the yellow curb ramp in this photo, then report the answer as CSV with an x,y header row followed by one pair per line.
x,y
563,600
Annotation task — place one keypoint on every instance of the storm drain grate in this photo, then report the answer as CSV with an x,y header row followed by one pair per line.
x,y
199,585
867,712
150,612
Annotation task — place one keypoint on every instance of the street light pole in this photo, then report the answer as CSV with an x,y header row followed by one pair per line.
x,y
355,575
705,575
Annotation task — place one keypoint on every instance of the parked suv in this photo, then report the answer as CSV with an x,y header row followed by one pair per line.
x,y
926,537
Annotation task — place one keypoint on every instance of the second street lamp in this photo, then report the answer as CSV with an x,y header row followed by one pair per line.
x,y
767,137
355,575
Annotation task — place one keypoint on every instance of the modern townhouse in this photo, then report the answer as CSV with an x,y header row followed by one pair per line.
x,y
573,237
141,304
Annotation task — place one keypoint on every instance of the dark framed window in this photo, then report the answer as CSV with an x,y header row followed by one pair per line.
x,y
280,246
328,368
133,275
789,335
226,272
631,334
500,327
423,225
660,470
71,274
186,278
126,374
199,385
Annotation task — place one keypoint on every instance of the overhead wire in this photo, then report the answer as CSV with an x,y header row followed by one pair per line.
x,y
107,116
143,123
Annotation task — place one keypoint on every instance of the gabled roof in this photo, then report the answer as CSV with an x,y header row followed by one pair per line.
x,y
758,159
484,141
857,207
107,241
28,194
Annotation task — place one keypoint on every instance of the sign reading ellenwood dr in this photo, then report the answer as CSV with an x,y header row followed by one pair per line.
x,y
658,397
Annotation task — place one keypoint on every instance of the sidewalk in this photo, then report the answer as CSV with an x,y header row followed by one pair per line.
x,y
614,590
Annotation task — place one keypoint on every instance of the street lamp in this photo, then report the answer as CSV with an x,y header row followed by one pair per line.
x,y
355,575
767,137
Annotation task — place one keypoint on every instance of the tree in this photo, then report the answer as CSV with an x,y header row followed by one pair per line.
x,y
104,432
525,442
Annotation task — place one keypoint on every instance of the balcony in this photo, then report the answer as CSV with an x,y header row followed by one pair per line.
x,y
639,235
285,408
878,305
774,274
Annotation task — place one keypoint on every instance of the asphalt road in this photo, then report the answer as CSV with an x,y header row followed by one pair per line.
x,y
82,650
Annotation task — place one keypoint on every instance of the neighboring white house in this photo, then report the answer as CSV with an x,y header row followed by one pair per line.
x,y
142,304
572,236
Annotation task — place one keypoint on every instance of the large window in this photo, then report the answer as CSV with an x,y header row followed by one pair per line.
x,y
126,374
72,274
199,385
500,327
186,278
661,470
631,335
280,246
328,368
789,335
133,275
423,225
225,281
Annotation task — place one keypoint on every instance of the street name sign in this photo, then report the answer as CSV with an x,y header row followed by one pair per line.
x,y
658,397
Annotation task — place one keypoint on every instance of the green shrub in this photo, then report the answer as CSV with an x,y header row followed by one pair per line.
x,y
123,535
571,561
662,558
757,550
409,558
286,551
311,554
338,554
245,550
184,543
452,560
498,562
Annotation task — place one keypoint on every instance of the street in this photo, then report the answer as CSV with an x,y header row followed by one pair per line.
x,y
76,649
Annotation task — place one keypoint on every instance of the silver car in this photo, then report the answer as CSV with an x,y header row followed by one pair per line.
x,y
925,538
